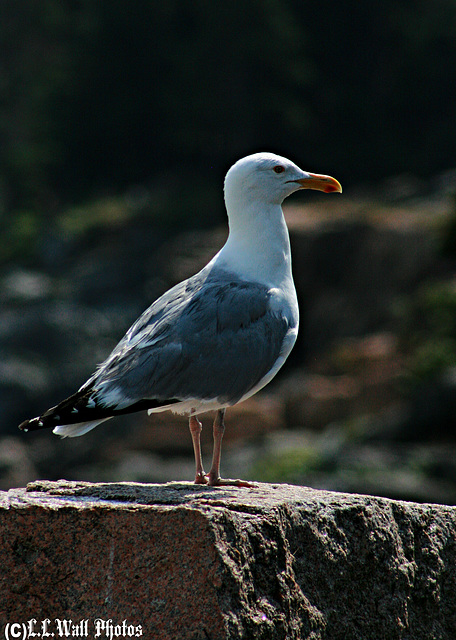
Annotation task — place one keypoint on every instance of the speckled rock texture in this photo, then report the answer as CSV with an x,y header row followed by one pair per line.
x,y
186,562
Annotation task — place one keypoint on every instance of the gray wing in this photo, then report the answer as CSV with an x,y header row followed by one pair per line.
x,y
212,336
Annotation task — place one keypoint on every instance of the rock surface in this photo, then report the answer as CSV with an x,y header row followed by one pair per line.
x,y
197,563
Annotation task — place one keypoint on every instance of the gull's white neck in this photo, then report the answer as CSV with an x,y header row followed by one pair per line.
x,y
258,245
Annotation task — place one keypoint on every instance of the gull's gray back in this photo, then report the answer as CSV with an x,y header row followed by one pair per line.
x,y
210,337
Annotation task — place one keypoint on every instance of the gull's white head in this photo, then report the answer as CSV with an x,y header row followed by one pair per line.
x,y
268,178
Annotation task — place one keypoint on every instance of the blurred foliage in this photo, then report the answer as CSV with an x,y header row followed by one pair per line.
x,y
448,234
289,466
20,235
102,95
428,330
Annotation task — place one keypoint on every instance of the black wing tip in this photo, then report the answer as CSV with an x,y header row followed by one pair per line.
x,y
71,412
66,412
32,425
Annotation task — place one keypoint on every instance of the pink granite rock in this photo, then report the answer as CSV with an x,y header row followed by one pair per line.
x,y
186,562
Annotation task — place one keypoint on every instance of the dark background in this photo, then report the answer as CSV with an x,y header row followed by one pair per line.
x,y
100,95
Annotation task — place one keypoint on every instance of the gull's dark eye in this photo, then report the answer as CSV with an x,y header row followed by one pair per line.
x,y
279,169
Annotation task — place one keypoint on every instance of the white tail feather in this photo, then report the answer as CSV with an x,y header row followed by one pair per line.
x,y
79,429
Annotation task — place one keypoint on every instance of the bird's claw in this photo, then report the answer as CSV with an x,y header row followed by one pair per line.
x,y
205,478
228,482
201,478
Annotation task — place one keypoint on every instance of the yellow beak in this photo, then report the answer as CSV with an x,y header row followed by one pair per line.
x,y
320,183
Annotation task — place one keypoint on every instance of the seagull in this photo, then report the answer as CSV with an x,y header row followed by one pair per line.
x,y
216,338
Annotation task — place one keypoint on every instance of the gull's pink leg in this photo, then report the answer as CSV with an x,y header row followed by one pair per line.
x,y
195,427
213,477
